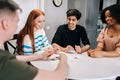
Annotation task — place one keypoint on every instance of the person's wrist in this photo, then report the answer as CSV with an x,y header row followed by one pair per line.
x,y
64,49
63,57
42,56
103,54
63,60
79,51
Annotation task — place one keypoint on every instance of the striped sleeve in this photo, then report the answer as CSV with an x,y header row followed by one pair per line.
x,y
45,41
40,42
40,39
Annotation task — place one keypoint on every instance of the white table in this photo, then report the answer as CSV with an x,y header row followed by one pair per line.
x,y
83,67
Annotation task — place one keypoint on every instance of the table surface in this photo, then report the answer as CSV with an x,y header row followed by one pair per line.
x,y
83,67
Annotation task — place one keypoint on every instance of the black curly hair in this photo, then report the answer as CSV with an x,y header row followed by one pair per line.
x,y
74,12
114,11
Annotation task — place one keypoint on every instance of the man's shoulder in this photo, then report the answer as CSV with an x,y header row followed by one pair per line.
x,y
80,27
3,51
6,54
62,27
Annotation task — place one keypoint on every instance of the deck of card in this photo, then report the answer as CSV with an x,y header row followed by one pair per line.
x,y
71,51
54,57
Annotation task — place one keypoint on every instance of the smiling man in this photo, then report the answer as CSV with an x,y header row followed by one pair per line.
x,y
68,36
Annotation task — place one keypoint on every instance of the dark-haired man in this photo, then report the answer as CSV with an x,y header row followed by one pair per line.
x,y
68,36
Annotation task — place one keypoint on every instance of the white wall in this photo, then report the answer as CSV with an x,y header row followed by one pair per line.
x,y
55,16
108,3
27,6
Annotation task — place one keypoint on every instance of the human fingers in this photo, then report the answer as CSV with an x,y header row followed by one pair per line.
x,y
78,49
70,47
56,50
63,57
91,54
90,51
49,53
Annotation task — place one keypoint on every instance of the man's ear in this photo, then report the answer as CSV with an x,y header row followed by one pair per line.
x,y
4,24
78,21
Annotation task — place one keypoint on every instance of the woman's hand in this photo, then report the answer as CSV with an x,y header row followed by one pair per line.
x,y
49,51
95,53
46,54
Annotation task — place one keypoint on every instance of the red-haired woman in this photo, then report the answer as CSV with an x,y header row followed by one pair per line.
x,y
32,38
